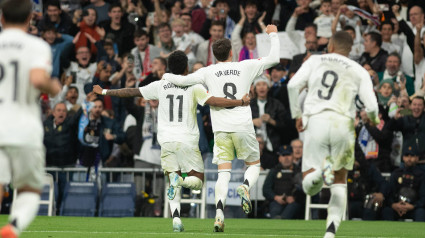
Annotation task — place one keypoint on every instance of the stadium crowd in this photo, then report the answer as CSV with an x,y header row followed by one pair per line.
x,y
125,43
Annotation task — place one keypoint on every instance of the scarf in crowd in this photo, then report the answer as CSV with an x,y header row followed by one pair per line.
x,y
368,145
365,15
245,54
83,122
145,65
83,41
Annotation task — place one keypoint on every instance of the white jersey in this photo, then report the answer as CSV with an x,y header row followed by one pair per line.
x,y
82,77
177,110
231,80
333,81
20,116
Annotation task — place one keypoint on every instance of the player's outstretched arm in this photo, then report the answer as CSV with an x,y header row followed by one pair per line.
x,y
41,80
122,93
274,55
186,80
224,102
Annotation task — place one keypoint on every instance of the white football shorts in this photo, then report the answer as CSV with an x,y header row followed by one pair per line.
x,y
332,135
244,143
22,166
177,156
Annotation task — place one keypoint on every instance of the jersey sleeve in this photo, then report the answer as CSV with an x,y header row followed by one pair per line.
x,y
201,94
257,66
188,80
151,91
296,83
367,95
42,57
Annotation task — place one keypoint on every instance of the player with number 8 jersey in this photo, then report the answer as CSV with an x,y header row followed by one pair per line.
x,y
233,127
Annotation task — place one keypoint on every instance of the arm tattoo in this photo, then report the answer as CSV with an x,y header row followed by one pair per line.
x,y
124,92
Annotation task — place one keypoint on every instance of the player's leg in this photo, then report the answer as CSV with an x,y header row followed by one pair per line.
x,y
315,151
28,177
1,194
247,149
341,160
337,203
190,161
223,156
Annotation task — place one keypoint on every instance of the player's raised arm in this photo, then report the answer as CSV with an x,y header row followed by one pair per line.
x,y
367,96
296,83
186,80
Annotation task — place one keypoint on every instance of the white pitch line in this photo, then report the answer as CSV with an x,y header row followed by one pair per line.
x,y
183,233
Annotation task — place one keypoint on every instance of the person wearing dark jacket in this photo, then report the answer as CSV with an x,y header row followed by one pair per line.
x,y
282,187
268,159
412,127
407,189
56,17
268,115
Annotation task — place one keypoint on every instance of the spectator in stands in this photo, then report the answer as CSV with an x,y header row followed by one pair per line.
x,y
159,66
55,17
282,187
375,142
358,48
393,72
297,147
136,12
385,92
324,23
198,14
121,31
58,43
419,58
310,30
97,134
302,15
387,30
204,53
407,189
416,16
367,189
278,75
144,54
81,71
182,40
268,115
268,159
195,38
311,45
87,26
374,54
245,48
412,127
101,8
251,23
60,140
166,43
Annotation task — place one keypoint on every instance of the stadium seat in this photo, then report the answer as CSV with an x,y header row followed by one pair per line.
x,y
309,206
48,198
118,200
79,199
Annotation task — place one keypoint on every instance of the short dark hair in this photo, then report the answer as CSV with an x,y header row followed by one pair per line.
x,y
376,37
387,23
186,14
112,6
342,41
217,23
98,99
49,27
163,60
177,62
220,1
54,3
325,1
164,24
73,87
349,28
139,33
420,98
251,3
221,49
16,11
311,25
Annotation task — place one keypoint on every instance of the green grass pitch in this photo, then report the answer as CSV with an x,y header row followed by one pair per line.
x,y
69,227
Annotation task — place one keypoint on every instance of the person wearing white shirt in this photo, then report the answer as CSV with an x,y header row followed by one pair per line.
x,y
387,30
333,81
178,133
233,127
25,66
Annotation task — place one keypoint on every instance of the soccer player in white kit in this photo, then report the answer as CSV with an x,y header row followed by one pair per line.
x,y
332,81
233,127
25,66
178,132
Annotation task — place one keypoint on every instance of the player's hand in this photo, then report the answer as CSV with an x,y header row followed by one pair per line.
x,y
97,89
299,124
246,100
271,28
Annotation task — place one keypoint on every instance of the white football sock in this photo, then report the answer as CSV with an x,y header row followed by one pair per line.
x,y
192,182
337,207
175,203
251,175
313,182
221,189
24,210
